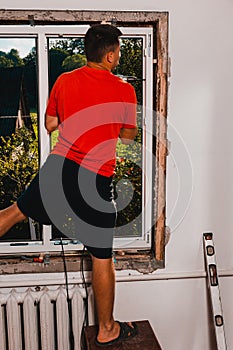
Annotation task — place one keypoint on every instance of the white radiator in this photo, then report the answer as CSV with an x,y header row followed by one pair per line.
x,y
38,318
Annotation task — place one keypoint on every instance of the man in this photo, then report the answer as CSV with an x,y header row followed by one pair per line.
x,y
91,108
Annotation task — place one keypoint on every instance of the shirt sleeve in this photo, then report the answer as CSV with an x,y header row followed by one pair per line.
x,y
130,117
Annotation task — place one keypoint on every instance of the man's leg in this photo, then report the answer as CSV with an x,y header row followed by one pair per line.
x,y
9,217
103,284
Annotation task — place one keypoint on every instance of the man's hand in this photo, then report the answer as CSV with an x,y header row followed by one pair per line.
x,y
51,123
127,135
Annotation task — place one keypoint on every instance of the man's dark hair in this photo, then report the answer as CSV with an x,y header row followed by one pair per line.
x,y
99,40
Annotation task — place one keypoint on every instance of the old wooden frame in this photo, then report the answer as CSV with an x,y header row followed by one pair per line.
x,y
149,261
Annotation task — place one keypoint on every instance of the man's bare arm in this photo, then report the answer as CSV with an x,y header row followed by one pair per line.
x,y
51,123
127,135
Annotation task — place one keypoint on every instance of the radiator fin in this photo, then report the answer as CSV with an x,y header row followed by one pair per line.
x,y
38,318
14,322
30,319
62,321
2,329
77,322
46,322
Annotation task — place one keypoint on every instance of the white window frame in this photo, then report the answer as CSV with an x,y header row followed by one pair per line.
x,y
42,33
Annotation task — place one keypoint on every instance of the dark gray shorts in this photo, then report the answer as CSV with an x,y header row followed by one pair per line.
x,y
78,202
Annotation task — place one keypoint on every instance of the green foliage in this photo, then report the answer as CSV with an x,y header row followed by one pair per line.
x,y
30,59
131,48
5,62
54,138
73,62
58,54
72,46
10,59
129,173
56,57
131,63
18,164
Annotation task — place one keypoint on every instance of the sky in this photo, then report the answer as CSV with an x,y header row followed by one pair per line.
x,y
23,45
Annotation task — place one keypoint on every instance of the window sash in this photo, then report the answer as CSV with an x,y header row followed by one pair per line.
x,y
42,33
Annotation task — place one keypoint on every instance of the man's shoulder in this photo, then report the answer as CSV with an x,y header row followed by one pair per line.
x,y
72,73
125,89
119,79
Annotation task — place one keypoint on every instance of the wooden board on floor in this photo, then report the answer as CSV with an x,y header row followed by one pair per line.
x,y
144,340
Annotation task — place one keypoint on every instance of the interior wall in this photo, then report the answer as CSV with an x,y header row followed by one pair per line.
x,y
200,169
177,311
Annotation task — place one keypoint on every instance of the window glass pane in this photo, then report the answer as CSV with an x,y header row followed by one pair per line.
x,y
129,158
18,125
66,54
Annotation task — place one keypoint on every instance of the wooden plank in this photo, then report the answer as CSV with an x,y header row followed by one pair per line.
x,y
161,137
62,16
144,340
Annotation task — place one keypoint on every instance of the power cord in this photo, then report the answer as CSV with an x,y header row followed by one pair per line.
x,y
83,344
86,317
67,298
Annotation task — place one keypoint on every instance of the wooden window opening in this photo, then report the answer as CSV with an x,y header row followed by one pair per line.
x,y
155,258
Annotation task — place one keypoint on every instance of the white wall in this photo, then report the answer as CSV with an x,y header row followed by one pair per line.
x,y
200,114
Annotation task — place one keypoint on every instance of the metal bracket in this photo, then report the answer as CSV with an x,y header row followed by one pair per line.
x,y
113,21
31,20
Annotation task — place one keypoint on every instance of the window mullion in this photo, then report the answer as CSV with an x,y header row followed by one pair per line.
x,y
44,139
43,96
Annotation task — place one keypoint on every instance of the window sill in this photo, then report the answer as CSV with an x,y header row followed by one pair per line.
x,y
143,262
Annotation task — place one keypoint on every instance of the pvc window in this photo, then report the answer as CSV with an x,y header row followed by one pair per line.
x,y
134,163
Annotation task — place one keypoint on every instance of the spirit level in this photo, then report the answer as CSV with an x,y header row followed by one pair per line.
x,y
213,285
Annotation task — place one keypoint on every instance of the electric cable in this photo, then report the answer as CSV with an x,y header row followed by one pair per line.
x,y
67,298
86,317
85,301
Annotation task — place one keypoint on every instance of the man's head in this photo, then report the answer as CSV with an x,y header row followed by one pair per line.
x,y
102,40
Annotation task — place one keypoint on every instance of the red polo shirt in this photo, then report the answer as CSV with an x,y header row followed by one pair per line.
x,y
92,106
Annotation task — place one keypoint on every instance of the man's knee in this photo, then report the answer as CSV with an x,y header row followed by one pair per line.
x,y
100,253
20,215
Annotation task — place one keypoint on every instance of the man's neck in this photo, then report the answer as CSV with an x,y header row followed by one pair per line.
x,y
100,65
